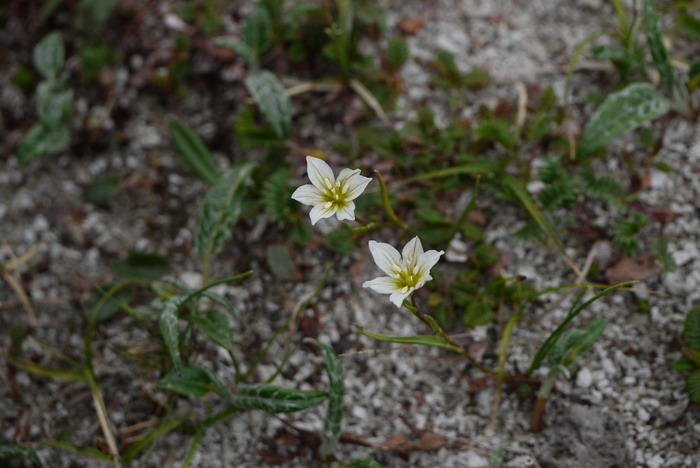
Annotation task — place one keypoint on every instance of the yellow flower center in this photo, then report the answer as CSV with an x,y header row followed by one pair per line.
x,y
336,195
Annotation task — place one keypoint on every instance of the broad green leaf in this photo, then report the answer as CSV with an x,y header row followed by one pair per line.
x,y
332,425
220,211
54,106
42,141
573,312
691,330
215,325
240,48
187,381
662,61
257,31
621,111
49,55
271,97
576,342
13,451
693,385
170,329
142,265
193,151
275,399
424,340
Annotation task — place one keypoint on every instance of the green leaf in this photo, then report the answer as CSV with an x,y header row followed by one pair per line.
x,y
49,55
220,211
257,32
215,325
240,48
496,130
692,354
621,111
691,330
693,386
332,425
98,11
219,299
275,399
101,190
688,24
576,342
251,135
423,340
339,240
683,365
269,93
365,463
13,453
662,61
187,381
42,141
142,265
170,329
193,151
280,261
277,195
397,52
54,106
573,312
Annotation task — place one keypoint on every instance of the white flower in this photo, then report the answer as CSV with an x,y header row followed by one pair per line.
x,y
405,274
330,195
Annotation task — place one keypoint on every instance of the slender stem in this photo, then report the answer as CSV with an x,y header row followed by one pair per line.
x,y
236,366
230,279
387,204
360,228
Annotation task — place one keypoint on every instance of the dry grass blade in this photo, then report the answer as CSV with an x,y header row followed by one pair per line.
x,y
370,100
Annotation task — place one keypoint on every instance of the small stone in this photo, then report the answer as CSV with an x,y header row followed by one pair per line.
x,y
584,378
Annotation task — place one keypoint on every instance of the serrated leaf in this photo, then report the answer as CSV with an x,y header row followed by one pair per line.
x,y
257,31
220,211
42,141
621,111
193,151
142,265
49,55
683,365
215,325
170,330
693,386
422,340
269,94
13,451
332,425
240,48
576,342
275,399
187,381
691,330
662,61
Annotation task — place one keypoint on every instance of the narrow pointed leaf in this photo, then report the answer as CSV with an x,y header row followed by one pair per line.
x,y
423,340
215,325
219,299
193,151
13,452
693,385
170,329
691,330
142,265
271,97
187,381
42,141
257,31
621,111
275,399
220,211
333,423
662,60
576,342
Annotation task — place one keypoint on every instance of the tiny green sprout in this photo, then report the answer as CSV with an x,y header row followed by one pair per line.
x,y
330,195
407,271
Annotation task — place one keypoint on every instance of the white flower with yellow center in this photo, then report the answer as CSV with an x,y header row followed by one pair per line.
x,y
330,195
407,271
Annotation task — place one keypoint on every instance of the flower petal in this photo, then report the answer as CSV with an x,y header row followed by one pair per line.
x,y
427,261
382,285
320,173
351,183
386,257
346,212
411,253
320,212
308,195
397,298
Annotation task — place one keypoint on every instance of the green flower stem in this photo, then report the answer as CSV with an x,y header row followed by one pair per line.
x,y
387,205
230,279
542,395
430,322
360,228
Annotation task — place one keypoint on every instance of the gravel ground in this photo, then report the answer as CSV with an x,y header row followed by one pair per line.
x,y
624,405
